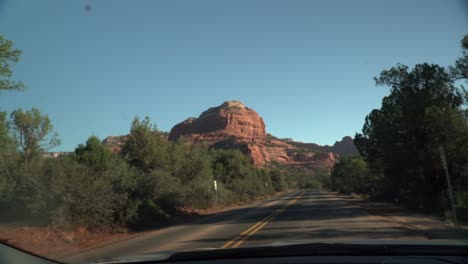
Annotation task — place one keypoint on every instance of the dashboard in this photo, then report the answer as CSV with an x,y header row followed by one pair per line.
x,y
261,255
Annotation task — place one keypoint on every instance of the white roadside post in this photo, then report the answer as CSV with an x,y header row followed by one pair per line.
x,y
216,191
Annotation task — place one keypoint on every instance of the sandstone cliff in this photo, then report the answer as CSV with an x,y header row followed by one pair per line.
x,y
231,119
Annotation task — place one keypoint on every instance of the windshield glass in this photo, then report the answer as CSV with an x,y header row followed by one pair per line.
x,y
133,127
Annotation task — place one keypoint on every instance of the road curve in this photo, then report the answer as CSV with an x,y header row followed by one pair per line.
x,y
308,214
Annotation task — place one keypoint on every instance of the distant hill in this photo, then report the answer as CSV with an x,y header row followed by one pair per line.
x,y
345,147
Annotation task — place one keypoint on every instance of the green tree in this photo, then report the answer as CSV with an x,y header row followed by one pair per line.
x,y
460,69
124,181
31,129
70,194
265,181
351,174
7,143
229,165
8,56
146,148
197,177
8,159
278,179
401,139
93,154
234,172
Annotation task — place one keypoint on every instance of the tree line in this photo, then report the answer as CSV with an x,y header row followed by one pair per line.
x,y
400,144
150,180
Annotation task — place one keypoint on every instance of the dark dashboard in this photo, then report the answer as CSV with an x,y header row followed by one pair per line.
x,y
316,253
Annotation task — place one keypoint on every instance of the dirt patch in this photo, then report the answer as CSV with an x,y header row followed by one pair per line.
x,y
49,241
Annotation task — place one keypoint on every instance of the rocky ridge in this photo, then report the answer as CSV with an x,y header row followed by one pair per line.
x,y
345,147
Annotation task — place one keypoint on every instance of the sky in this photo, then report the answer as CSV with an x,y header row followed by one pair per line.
x,y
306,67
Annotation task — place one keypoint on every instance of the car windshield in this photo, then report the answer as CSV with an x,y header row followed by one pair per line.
x,y
134,127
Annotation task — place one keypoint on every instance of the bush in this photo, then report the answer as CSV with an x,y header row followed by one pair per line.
x,y
236,173
84,197
148,213
64,192
168,192
351,175
278,180
146,148
93,154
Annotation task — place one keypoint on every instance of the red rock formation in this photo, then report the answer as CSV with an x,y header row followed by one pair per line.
x,y
231,118
115,143
233,125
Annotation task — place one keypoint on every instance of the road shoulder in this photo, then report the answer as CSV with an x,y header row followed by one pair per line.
x,y
430,226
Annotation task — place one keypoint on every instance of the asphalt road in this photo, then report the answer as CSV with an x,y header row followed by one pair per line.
x,y
310,214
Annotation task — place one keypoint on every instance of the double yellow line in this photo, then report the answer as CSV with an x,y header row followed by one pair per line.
x,y
237,241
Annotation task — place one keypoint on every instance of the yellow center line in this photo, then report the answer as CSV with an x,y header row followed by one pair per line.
x,y
248,230
237,241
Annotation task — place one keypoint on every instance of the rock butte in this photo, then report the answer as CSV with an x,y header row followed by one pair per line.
x,y
231,119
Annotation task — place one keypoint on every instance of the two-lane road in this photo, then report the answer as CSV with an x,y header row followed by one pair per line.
x,y
310,214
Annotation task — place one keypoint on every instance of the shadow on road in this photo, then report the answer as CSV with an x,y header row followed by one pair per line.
x,y
320,215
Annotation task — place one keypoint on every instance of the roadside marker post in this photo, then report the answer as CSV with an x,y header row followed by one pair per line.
x,y
449,185
216,192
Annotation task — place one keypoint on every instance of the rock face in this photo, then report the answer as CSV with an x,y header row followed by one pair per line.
x,y
345,147
114,143
233,125
231,118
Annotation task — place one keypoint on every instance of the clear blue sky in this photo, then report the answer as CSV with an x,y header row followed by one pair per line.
x,y
305,66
